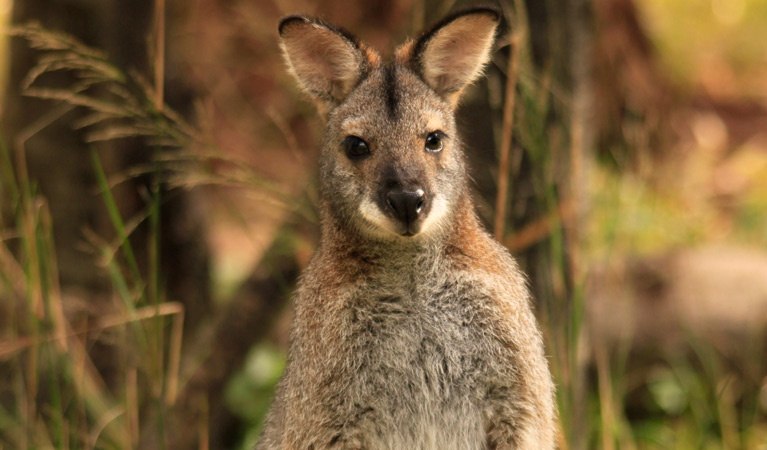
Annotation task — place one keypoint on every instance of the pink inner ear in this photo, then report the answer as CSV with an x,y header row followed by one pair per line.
x,y
324,62
456,54
332,58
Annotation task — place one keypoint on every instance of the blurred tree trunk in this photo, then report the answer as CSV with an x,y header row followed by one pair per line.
x,y
633,100
58,160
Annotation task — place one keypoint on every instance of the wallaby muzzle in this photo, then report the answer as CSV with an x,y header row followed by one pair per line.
x,y
403,198
407,206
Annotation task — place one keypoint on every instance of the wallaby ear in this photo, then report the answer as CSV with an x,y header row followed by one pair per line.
x,y
327,62
453,52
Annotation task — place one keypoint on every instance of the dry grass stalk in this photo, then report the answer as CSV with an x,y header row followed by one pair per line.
x,y
606,396
571,224
159,55
103,424
290,137
132,402
508,122
204,425
35,305
174,309
174,359
118,108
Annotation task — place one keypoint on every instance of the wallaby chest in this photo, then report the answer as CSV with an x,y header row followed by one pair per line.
x,y
414,346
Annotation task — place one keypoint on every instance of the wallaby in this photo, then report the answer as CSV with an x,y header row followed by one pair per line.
x,y
413,328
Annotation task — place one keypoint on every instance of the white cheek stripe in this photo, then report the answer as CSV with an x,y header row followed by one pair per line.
x,y
373,215
380,223
437,213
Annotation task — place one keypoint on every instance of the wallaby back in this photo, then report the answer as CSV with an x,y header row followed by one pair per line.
x,y
413,328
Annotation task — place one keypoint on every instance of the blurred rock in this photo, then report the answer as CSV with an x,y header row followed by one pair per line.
x,y
714,295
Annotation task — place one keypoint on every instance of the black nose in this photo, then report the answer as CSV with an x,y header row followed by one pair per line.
x,y
406,205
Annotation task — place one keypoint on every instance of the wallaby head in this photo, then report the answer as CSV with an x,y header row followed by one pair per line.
x,y
392,167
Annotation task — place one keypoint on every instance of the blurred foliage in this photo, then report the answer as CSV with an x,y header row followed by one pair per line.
x,y
250,391
715,44
5,15
631,217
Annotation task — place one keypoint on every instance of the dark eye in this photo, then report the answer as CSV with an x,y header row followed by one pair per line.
x,y
355,147
434,142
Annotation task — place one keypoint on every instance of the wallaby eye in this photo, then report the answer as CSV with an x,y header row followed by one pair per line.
x,y
434,142
355,147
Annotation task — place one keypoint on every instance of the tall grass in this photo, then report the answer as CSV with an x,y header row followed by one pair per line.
x,y
539,120
606,399
60,398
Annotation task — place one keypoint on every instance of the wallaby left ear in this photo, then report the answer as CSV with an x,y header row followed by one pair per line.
x,y
453,53
326,61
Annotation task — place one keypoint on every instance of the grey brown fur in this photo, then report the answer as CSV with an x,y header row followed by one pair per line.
x,y
413,327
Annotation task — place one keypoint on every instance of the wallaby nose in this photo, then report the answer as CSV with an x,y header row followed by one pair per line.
x,y
406,205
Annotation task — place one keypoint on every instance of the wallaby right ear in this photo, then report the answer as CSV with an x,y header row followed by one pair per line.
x,y
453,52
327,62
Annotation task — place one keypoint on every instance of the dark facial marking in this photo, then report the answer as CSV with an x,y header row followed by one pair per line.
x,y
390,89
